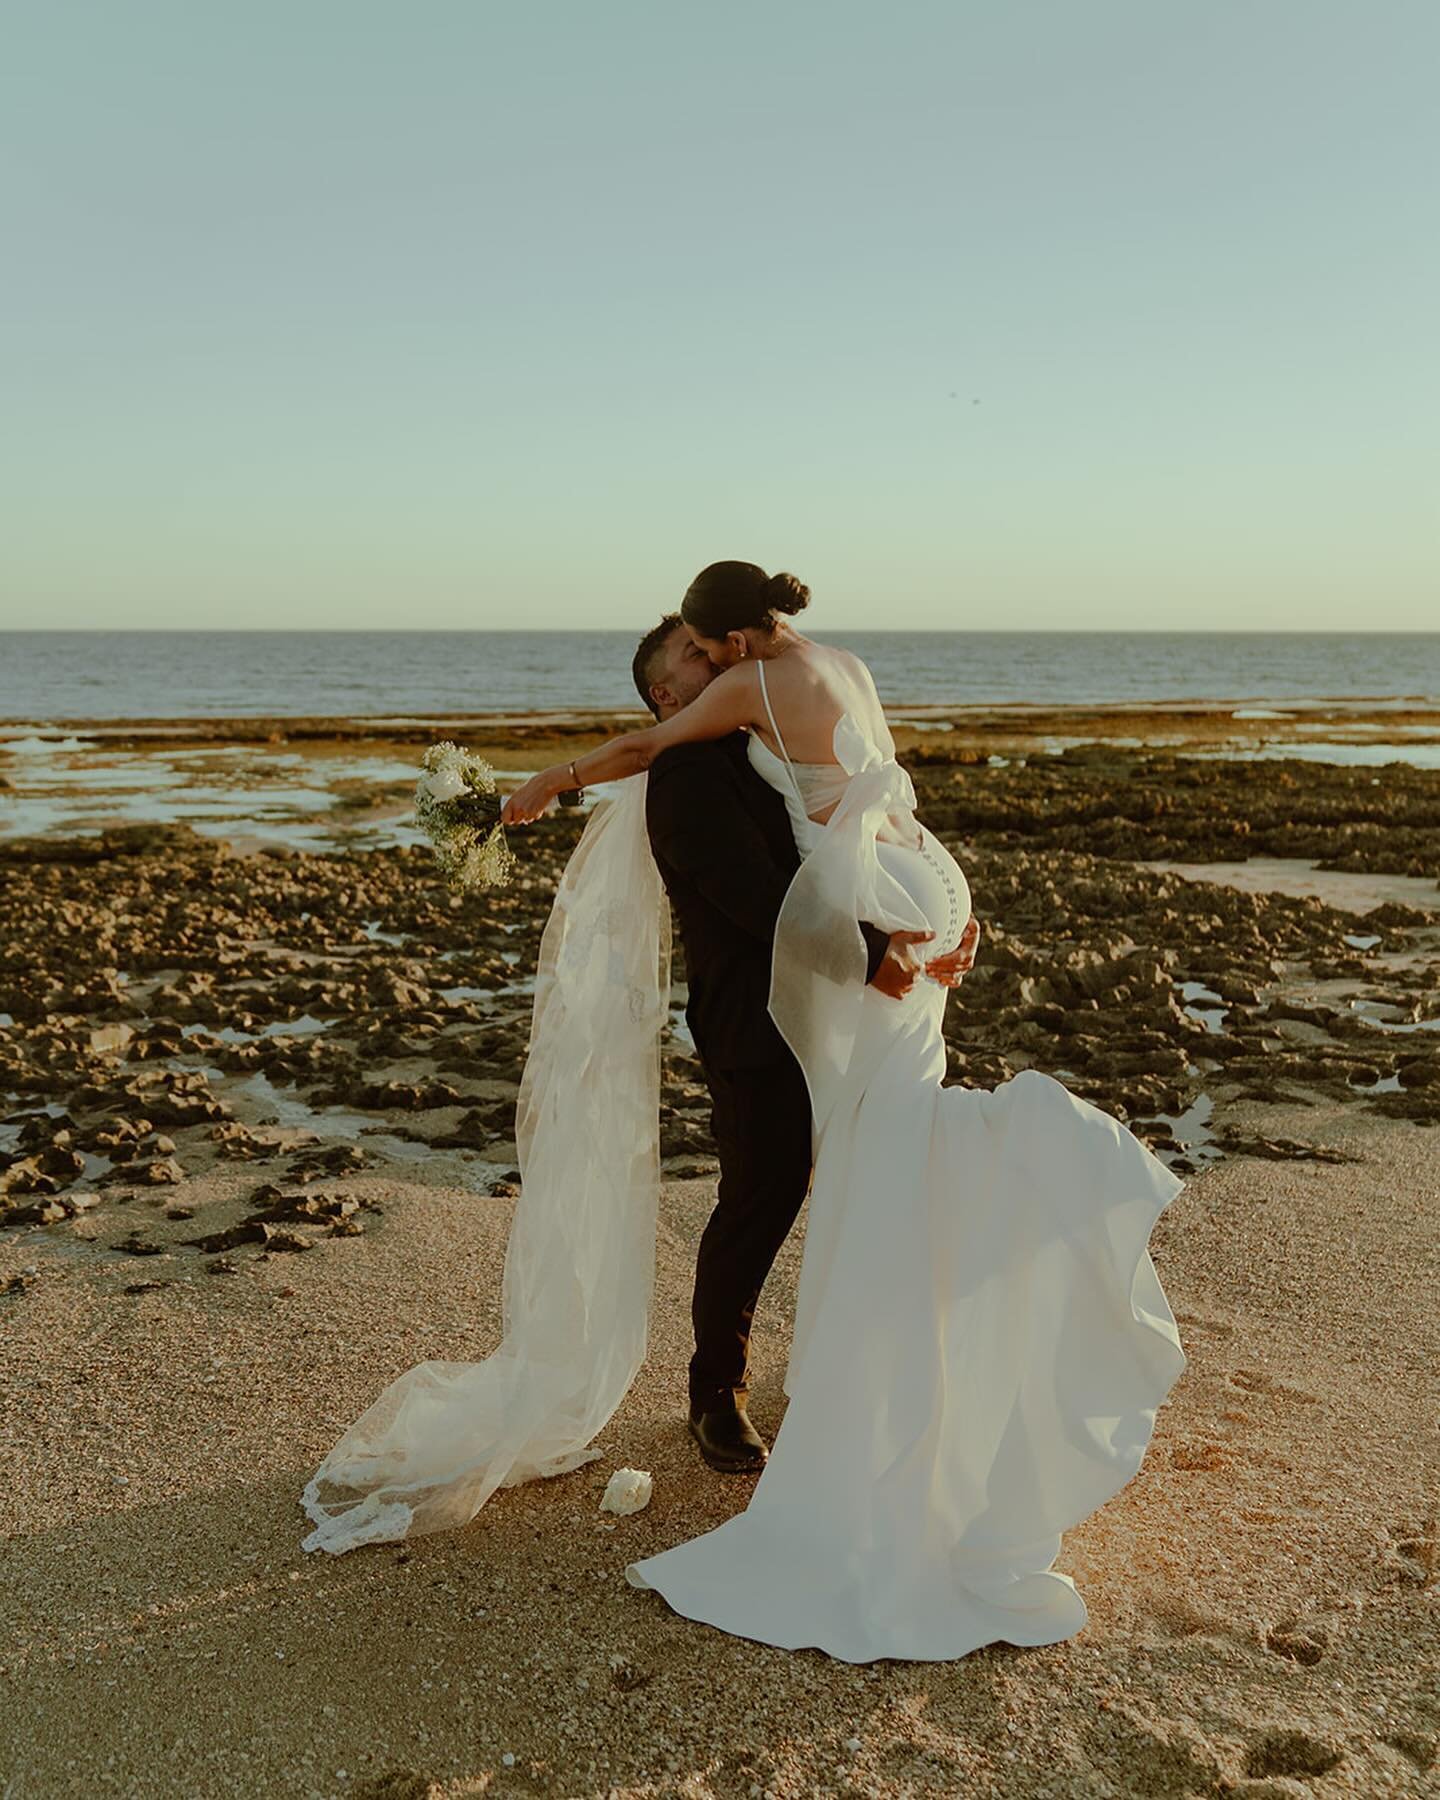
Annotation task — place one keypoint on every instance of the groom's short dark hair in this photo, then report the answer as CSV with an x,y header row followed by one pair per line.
x,y
646,652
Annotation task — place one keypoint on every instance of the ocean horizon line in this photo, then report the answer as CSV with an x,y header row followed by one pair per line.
x,y
72,672
625,631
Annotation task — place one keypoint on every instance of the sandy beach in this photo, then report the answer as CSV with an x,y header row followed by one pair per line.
x,y
258,1072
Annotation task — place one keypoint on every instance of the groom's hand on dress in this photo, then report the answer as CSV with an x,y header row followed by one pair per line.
x,y
900,968
948,969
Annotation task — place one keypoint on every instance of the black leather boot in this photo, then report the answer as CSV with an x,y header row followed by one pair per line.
x,y
727,1439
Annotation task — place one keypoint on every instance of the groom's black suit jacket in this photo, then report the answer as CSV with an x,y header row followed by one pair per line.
x,y
726,853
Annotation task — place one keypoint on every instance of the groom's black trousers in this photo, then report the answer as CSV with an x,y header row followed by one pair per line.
x,y
726,852
761,1125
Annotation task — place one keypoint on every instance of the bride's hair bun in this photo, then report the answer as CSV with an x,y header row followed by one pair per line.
x,y
786,594
729,596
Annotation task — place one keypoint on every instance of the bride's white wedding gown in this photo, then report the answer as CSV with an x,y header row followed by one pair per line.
x,y
981,1340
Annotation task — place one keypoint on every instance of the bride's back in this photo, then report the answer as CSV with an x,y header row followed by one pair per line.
x,y
811,687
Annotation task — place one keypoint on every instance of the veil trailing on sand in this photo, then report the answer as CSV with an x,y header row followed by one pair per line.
x,y
579,1266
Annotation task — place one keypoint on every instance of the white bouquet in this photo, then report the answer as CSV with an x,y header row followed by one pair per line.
x,y
458,808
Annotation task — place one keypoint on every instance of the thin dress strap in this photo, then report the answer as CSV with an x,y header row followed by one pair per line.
x,y
770,714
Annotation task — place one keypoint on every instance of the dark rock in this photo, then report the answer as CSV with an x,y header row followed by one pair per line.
x,y
1239,1143
472,1133
163,1173
310,1208
27,1177
401,1096
38,1212
135,1245
248,1231
1394,913
335,1159
288,1241
43,1129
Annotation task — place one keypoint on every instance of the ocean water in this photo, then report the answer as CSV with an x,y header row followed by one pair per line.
x,y
46,676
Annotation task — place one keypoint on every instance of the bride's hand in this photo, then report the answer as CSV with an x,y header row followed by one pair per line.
x,y
900,967
533,798
948,969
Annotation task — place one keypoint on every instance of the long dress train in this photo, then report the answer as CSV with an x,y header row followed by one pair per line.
x,y
981,1342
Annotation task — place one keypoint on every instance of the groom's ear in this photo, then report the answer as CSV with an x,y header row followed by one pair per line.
x,y
661,696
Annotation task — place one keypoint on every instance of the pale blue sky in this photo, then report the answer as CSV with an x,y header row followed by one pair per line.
x,y
1105,313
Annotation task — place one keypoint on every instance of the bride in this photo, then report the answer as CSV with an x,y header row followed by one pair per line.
x,y
981,1341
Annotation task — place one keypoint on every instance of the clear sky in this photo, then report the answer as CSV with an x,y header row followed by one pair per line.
x,y
1049,313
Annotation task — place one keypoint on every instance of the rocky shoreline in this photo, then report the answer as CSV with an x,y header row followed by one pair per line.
x,y
172,1001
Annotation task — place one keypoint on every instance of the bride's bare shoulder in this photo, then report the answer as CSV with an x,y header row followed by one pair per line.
x,y
854,667
823,661
864,697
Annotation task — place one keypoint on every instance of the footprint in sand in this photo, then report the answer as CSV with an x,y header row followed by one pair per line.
x,y
1302,1644
1196,1322
1178,1617
394,1784
1278,1787
1420,1749
1412,1551
1287,1752
1256,1381
910,1762
1150,1756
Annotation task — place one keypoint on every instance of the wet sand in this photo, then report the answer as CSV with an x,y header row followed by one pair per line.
x,y
256,1158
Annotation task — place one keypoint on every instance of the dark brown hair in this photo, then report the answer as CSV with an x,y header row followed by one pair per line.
x,y
643,666
728,596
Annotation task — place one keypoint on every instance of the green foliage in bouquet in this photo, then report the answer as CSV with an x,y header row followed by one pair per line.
x,y
458,808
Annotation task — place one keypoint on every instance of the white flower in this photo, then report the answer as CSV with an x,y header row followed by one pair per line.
x,y
629,1490
472,853
443,784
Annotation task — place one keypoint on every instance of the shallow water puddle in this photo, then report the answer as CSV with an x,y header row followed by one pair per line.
x,y
290,1112
1358,755
1191,1129
1381,1014
77,786
1387,1084
305,1026
372,930
1203,1005
1342,889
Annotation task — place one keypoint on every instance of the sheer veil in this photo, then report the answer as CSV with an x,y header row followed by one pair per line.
x,y
580,1262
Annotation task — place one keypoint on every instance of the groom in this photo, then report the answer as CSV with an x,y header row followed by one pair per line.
x,y
725,850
